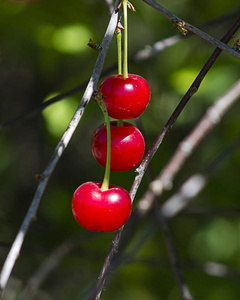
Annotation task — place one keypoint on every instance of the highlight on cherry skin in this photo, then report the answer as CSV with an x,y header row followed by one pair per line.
x,y
125,98
98,210
127,146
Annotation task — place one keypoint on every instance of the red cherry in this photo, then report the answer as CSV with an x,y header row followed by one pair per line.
x,y
125,98
99,210
127,146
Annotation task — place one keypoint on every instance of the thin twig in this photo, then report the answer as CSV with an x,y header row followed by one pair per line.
x,y
45,176
175,263
42,106
51,263
186,26
105,269
146,203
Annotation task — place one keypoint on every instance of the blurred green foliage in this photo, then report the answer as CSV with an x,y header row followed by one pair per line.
x,y
44,52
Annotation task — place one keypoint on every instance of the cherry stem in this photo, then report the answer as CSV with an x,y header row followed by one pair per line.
x,y
125,49
105,184
119,49
120,123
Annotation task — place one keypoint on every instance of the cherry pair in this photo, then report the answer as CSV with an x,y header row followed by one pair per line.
x,y
125,98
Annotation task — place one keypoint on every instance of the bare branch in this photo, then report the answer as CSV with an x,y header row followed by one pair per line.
x,y
182,26
51,263
105,269
177,270
91,87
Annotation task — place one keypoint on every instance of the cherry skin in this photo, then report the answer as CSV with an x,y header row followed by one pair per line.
x,y
127,146
125,98
99,210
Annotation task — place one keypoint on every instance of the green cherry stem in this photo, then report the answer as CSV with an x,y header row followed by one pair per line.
x,y
119,49
125,49
106,179
120,123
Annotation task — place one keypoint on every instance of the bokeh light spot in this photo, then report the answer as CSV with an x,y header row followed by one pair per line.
x,y
71,39
57,116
